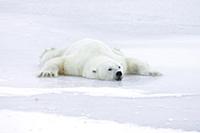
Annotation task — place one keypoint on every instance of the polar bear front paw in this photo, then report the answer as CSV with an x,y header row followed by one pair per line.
x,y
154,73
150,73
47,74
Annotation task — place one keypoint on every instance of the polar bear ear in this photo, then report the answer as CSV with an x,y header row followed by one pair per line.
x,y
94,71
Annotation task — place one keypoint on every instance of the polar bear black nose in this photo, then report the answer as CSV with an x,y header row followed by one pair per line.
x,y
119,74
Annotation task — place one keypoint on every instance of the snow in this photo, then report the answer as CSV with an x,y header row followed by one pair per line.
x,y
23,122
163,33
90,91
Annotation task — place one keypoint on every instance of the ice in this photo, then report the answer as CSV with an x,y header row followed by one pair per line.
x,y
166,34
28,122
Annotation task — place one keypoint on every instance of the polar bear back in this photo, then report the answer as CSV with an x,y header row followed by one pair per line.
x,y
88,48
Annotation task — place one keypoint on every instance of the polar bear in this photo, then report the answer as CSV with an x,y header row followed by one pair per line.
x,y
93,59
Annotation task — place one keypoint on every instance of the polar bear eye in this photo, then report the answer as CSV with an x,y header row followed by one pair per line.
x,y
94,71
110,69
119,67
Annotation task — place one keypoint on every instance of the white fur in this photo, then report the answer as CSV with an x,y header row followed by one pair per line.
x,y
91,59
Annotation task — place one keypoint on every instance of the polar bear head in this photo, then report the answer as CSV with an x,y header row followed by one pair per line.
x,y
110,71
105,69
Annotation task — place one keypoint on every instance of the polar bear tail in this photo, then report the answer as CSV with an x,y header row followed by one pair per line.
x,y
50,53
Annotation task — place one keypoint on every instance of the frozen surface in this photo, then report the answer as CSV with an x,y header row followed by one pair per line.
x,y
23,122
166,34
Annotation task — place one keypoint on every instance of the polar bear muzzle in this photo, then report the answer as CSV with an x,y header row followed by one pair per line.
x,y
118,76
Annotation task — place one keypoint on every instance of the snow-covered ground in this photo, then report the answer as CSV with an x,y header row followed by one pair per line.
x,y
166,34
23,122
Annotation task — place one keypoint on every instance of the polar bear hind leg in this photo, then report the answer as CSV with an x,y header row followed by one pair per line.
x,y
136,67
50,53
